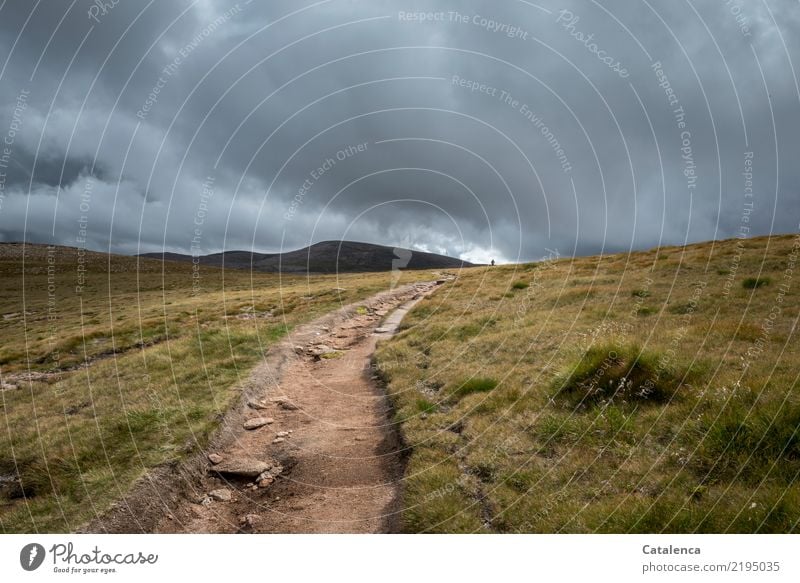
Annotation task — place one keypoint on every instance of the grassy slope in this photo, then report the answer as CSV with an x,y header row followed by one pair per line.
x,y
505,381
164,364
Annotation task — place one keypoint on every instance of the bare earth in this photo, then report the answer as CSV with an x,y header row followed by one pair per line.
x,y
336,460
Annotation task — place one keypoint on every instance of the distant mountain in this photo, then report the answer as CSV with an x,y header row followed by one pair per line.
x,y
325,257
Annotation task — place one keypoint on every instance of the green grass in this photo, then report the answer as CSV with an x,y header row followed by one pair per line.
x,y
134,373
475,385
756,282
692,426
425,406
520,285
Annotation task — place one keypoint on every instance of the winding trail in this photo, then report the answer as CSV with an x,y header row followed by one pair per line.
x,y
335,457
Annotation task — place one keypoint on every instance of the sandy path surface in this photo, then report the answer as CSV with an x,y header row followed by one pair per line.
x,y
326,459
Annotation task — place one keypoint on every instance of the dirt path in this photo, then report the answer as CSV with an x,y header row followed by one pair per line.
x,y
326,458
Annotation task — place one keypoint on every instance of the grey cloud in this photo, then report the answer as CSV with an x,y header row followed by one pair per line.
x,y
258,96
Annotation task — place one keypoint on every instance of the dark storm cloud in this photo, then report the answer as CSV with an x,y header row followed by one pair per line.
x,y
491,129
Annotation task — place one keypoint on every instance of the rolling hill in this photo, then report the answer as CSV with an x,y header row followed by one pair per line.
x,y
325,257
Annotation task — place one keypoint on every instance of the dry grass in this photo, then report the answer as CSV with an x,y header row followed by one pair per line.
x,y
133,372
656,391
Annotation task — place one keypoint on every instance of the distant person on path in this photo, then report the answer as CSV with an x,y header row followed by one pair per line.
x,y
492,262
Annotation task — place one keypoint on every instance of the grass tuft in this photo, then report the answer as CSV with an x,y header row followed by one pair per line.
x,y
618,374
755,282
475,385
425,406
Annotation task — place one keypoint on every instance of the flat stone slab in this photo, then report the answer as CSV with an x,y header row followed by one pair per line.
x,y
257,422
243,467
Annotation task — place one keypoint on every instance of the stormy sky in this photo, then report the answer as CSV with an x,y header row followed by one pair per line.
x,y
478,129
